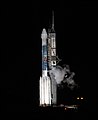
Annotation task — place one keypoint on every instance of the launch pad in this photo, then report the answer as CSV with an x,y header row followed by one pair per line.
x,y
59,108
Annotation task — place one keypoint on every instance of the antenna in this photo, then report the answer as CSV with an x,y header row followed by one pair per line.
x,y
53,20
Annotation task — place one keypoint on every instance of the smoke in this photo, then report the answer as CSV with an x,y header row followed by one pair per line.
x,y
58,73
63,75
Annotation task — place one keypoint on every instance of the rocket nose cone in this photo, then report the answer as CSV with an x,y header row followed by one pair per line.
x,y
44,34
44,31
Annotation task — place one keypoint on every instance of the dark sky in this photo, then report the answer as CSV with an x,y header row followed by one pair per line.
x,y
21,26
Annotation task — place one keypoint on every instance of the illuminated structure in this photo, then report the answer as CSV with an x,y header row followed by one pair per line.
x,y
47,84
52,59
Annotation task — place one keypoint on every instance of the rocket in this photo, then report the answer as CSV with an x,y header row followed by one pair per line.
x,y
45,83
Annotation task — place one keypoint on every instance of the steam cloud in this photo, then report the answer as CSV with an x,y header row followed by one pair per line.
x,y
63,75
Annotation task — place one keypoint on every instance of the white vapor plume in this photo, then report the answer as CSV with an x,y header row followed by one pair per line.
x,y
63,75
58,73
70,81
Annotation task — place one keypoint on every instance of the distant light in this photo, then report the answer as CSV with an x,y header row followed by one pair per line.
x,y
81,98
77,98
61,105
65,108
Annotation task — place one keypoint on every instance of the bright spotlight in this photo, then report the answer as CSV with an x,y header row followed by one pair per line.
x,y
81,98
77,98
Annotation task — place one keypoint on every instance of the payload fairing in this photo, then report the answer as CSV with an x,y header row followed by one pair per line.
x,y
47,84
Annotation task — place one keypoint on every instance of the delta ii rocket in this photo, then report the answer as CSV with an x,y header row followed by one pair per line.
x,y
47,83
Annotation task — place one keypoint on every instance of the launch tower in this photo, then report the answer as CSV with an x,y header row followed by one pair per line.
x,y
52,59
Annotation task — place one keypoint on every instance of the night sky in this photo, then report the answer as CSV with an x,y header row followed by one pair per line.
x,y
21,27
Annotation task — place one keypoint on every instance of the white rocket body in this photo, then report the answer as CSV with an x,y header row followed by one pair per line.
x,y
45,83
